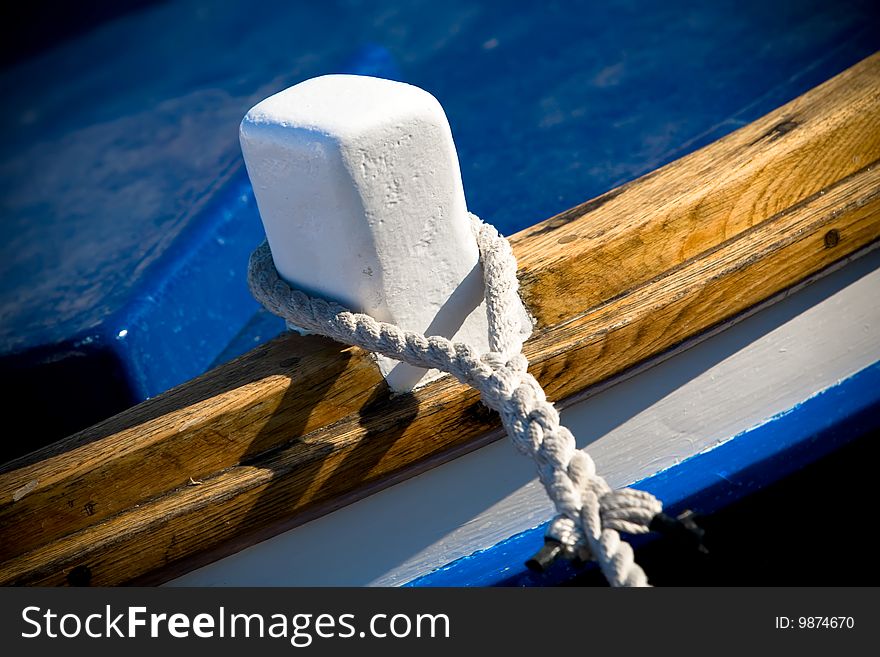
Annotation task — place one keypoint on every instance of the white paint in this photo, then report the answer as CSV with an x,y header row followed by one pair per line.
x,y
733,381
358,185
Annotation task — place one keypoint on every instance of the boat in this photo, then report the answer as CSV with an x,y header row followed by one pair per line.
x,y
704,291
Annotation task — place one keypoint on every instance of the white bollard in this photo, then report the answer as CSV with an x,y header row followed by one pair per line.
x,y
359,189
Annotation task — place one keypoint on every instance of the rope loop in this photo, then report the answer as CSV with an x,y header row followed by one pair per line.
x,y
590,515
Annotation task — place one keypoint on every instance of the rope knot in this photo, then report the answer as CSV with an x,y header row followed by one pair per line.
x,y
590,514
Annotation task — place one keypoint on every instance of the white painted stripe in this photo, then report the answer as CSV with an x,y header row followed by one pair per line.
x,y
762,366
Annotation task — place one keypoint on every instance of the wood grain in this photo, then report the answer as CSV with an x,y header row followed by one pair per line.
x,y
302,425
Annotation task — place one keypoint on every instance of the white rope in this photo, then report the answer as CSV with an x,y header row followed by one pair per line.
x,y
590,514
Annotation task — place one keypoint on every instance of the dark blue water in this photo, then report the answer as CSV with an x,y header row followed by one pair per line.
x,y
771,537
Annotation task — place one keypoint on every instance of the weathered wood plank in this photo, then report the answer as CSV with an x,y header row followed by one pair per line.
x,y
633,233
300,425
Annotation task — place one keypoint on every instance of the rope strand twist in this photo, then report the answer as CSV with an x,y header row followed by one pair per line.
x,y
590,515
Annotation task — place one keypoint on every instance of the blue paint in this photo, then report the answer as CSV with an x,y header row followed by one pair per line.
x,y
705,482
208,266
127,218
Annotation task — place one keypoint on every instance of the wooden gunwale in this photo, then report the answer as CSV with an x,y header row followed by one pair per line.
x,y
301,425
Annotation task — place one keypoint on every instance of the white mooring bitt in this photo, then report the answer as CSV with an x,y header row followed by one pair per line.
x,y
358,185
